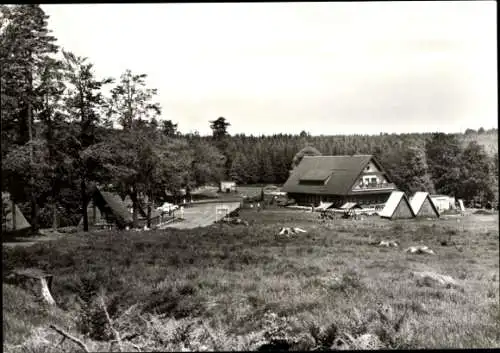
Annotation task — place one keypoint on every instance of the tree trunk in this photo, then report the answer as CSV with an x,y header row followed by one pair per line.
x,y
55,222
94,213
149,215
29,117
135,221
135,208
34,213
4,217
83,189
14,220
34,205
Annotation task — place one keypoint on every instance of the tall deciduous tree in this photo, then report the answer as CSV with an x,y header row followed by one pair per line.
x,y
476,175
131,102
238,171
84,101
414,171
208,163
443,157
174,169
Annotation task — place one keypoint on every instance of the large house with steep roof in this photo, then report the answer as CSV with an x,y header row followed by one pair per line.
x,y
339,179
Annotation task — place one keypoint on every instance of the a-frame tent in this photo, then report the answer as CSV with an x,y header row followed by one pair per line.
x,y
107,209
13,219
422,205
397,207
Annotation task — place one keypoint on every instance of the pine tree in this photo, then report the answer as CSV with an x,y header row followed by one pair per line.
x,y
168,128
306,151
219,128
266,169
25,46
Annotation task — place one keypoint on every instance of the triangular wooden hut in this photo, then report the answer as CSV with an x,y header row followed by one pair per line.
x,y
107,209
397,207
422,205
13,219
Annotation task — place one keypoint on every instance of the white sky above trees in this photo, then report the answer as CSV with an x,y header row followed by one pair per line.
x,y
326,68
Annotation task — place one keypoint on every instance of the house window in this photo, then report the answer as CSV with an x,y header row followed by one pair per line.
x,y
312,182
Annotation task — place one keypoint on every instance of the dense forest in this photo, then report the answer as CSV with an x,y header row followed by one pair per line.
x,y
60,137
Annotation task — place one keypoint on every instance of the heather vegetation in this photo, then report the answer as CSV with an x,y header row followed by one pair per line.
x,y
243,288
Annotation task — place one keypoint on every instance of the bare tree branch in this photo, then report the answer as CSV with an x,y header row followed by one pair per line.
x,y
68,336
115,332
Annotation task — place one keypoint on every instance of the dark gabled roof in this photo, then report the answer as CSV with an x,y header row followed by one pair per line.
x,y
117,206
342,172
315,175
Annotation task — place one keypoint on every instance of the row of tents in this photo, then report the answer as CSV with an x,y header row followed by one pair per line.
x,y
398,206
105,210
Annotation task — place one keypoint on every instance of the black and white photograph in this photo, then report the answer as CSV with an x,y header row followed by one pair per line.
x,y
239,176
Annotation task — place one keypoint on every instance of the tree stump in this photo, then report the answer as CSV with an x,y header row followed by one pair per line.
x,y
35,281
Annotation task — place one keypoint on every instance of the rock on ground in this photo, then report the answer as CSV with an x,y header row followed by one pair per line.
x,y
420,249
432,279
388,243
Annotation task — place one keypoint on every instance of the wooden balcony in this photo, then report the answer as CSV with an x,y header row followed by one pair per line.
x,y
374,187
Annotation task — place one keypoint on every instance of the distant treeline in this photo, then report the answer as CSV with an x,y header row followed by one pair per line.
x,y
58,141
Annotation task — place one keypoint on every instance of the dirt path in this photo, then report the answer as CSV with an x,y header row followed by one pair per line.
x,y
29,241
202,215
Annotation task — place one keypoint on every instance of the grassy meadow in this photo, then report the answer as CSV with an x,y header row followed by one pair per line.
x,y
232,287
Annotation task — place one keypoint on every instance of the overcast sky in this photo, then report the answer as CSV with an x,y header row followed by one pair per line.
x,y
326,68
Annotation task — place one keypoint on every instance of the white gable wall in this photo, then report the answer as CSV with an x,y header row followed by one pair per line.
x,y
371,167
367,177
